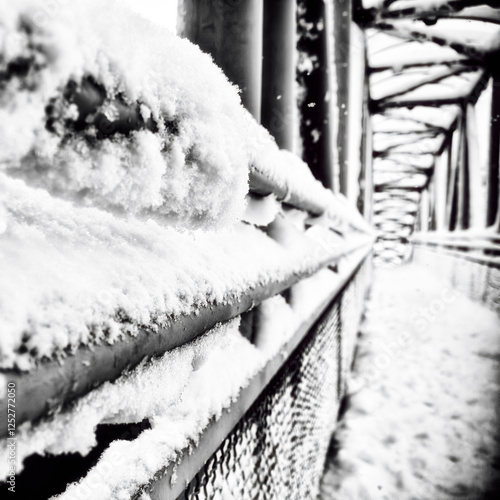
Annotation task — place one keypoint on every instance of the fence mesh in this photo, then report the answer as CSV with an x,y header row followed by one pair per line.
x,y
478,280
278,448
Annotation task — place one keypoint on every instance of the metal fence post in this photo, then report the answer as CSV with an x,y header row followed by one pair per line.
x,y
493,213
278,71
231,31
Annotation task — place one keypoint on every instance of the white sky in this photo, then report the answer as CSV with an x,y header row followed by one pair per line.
x,y
163,12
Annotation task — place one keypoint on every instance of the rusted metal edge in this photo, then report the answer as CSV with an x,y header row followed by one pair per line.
x,y
164,487
53,384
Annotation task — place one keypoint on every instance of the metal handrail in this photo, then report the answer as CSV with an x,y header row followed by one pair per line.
x,y
51,385
481,247
185,469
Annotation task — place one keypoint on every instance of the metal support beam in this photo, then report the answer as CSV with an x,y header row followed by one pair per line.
x,y
494,155
440,181
278,71
365,200
464,192
232,33
452,196
342,19
424,210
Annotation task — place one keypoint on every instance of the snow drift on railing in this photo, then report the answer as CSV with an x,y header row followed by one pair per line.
x,y
180,393
124,116
73,275
115,133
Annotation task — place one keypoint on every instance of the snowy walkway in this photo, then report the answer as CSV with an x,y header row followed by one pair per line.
x,y
422,417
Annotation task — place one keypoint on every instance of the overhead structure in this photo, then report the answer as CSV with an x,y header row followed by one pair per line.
x,y
434,85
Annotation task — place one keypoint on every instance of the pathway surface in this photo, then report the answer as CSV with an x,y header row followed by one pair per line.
x,y
423,411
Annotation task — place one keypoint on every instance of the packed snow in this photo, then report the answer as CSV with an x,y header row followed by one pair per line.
x,y
119,118
74,275
180,393
422,411
131,119
124,164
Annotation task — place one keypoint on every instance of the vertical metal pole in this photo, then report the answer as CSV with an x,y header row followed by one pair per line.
x,y
278,71
424,210
432,201
475,195
356,107
198,22
493,208
232,33
451,198
440,178
365,201
464,177
240,53
342,25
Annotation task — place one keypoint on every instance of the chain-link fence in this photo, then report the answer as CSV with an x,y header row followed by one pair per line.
x,y
278,448
476,276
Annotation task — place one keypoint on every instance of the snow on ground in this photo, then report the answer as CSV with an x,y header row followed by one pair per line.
x,y
423,406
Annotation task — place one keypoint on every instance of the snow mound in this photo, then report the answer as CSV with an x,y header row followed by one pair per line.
x,y
124,162
73,275
131,118
180,393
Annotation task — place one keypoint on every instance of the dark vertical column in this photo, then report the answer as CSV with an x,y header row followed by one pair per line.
x,y
241,49
452,195
432,203
464,178
365,200
231,31
313,75
278,71
198,22
424,210
441,179
494,155
342,25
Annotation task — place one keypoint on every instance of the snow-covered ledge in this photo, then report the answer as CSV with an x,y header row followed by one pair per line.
x,y
143,212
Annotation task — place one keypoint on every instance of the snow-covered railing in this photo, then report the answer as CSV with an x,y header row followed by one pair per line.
x,y
163,260
223,442
54,383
